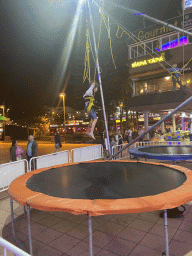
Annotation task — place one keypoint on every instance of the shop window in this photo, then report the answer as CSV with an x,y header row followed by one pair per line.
x,y
156,46
174,41
149,47
140,50
165,43
134,52
183,39
145,88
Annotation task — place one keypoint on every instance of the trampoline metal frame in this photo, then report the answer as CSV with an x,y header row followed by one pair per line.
x,y
166,157
90,232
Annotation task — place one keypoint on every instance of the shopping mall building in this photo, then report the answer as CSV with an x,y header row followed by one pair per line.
x,y
149,60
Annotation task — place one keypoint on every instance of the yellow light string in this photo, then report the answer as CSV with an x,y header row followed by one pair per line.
x,y
103,16
87,73
121,34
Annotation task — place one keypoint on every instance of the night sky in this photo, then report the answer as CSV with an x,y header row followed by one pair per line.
x,y
38,58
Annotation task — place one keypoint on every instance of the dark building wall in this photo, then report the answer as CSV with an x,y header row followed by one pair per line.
x,y
160,101
16,132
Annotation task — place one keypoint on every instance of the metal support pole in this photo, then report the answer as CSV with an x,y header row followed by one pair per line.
x,y
166,234
99,76
134,12
13,226
90,236
12,218
152,127
29,230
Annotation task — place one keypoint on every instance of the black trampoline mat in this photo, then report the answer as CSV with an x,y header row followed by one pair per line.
x,y
169,150
106,180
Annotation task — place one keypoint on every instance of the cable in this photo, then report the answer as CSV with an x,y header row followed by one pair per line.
x,y
131,35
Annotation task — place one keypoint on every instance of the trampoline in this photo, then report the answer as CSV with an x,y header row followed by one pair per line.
x,y
103,187
165,152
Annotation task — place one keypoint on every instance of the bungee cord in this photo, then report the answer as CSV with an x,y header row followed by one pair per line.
x,y
99,74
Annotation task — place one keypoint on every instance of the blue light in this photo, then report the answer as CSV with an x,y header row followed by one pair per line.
x,y
141,13
169,143
173,44
178,137
169,137
179,143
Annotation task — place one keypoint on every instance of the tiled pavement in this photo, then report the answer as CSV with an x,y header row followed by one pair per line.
x,y
57,233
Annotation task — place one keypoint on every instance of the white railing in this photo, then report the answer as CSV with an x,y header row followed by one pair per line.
x,y
124,153
10,171
12,248
153,143
87,153
49,160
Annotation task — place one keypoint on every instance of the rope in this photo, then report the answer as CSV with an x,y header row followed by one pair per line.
x,y
107,27
87,73
132,36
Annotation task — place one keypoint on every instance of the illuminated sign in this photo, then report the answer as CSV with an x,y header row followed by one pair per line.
x,y
149,61
174,43
118,121
160,30
144,35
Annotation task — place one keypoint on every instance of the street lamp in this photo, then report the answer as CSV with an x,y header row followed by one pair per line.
x,y
63,96
3,107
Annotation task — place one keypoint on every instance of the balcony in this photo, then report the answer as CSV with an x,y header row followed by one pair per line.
x,y
160,101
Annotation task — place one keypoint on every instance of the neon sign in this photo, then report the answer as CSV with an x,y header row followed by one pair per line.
x,y
173,44
150,61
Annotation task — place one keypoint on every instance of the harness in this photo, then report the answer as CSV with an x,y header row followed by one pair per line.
x,y
89,103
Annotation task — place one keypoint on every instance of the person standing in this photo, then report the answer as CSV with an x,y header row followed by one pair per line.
x,y
139,133
176,76
19,152
32,149
129,135
13,151
119,140
126,135
57,142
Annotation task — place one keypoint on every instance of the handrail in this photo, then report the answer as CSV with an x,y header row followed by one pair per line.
x,y
12,248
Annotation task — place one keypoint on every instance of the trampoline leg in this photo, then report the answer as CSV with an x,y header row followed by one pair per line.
x,y
13,226
90,236
166,234
29,230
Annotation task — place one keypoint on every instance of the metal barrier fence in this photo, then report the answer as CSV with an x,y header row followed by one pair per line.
x,y
87,153
10,171
49,160
124,153
12,248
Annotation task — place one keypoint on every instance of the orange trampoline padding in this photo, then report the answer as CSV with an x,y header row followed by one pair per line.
x,y
101,181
